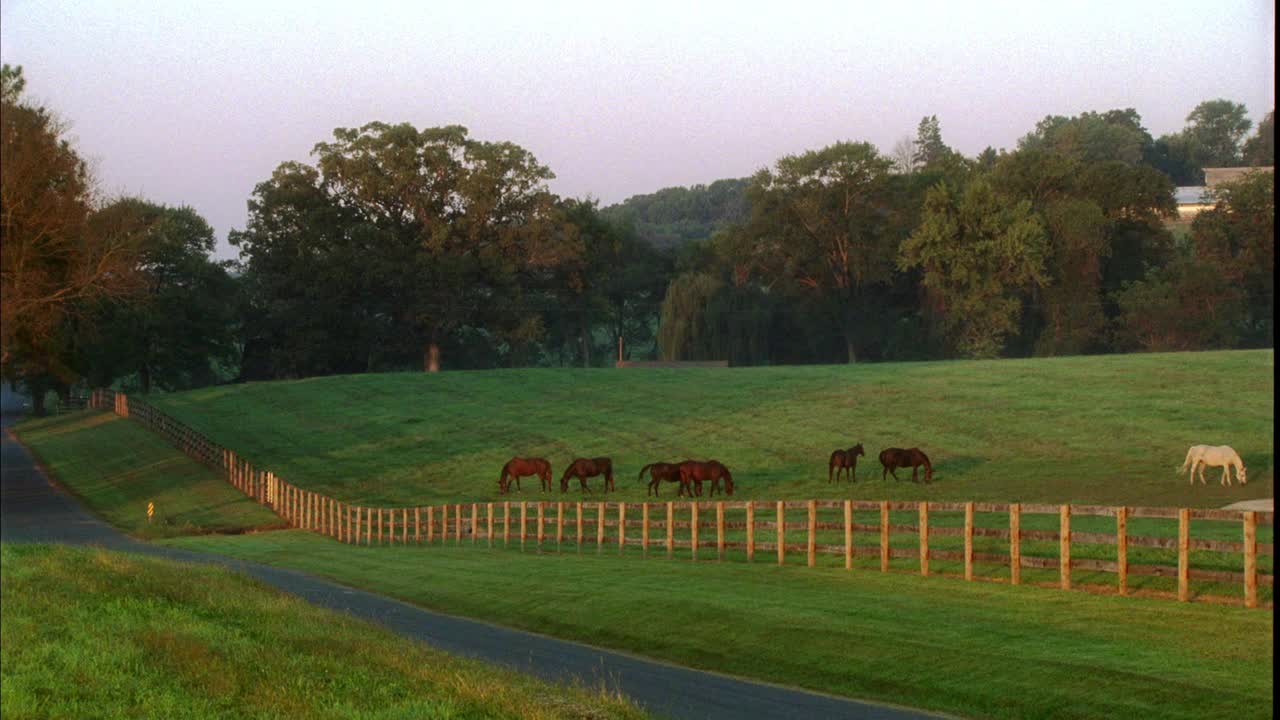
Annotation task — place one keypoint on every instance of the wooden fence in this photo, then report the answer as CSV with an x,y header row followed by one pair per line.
x,y
762,527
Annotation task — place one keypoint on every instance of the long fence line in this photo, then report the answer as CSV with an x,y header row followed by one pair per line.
x,y
607,523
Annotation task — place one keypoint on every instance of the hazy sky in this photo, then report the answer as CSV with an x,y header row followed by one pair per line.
x,y
195,105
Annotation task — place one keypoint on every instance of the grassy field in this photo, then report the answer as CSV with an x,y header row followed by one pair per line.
x,y
91,633
979,650
1104,429
116,467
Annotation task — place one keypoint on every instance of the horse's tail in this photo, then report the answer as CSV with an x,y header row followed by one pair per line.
x,y
646,467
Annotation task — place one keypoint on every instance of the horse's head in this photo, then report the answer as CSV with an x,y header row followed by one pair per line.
x,y
1241,475
857,450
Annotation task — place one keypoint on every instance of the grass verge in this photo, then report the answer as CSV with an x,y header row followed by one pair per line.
x,y
116,467
978,650
92,633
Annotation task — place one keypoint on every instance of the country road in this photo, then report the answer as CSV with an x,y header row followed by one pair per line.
x,y
32,510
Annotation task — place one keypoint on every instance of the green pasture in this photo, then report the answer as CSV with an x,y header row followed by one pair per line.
x,y
974,649
98,634
1099,429
117,467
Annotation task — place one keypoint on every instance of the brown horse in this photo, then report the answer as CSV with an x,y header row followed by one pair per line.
x,y
661,471
518,467
693,471
894,458
582,468
844,460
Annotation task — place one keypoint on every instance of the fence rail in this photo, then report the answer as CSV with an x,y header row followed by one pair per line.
x,y
762,526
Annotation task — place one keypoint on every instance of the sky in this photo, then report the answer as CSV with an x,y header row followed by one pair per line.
x,y
195,103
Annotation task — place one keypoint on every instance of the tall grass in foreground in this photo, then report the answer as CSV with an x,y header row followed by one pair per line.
x,y
98,634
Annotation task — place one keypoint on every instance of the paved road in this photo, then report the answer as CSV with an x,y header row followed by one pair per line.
x,y
32,510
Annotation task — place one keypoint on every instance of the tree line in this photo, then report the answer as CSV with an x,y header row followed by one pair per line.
x,y
404,248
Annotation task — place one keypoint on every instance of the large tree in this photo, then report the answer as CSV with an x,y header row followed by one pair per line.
x,y
982,252
180,333
1237,238
53,262
1217,128
461,218
1261,148
829,225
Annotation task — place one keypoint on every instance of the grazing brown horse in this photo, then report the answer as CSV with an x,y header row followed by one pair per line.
x,y
893,458
518,467
692,471
582,468
844,460
661,471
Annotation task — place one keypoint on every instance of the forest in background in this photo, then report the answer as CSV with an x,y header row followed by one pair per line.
x,y
404,248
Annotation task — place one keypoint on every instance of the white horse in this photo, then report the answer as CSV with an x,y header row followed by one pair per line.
x,y
1221,456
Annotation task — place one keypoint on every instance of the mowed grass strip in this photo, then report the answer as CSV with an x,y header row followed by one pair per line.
x,y
1099,429
975,649
92,633
115,466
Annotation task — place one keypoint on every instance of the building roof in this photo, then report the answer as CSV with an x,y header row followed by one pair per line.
x,y
1192,195
1216,176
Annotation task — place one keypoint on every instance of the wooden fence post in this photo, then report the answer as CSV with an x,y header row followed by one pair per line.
x,y
968,541
782,534
1251,559
457,524
539,533
848,534
488,511
622,525
1015,543
813,532
559,524
884,536
417,525
671,514
391,526
751,530
1122,549
506,522
444,523
720,529
693,529
578,506
353,515
1064,546
379,526
599,526
644,529
368,529
524,512
1184,554
431,524
924,538
475,522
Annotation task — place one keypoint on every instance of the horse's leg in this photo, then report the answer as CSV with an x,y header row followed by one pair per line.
x,y
1226,474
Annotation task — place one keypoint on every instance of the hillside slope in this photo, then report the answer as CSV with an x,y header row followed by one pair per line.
x,y
1103,429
